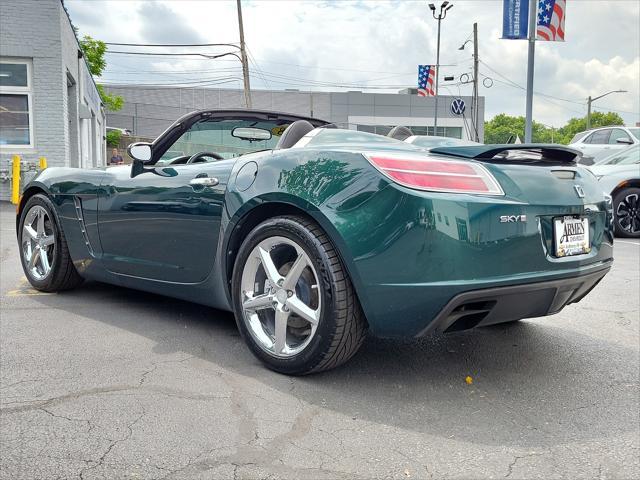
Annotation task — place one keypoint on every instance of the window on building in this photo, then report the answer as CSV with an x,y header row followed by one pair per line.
x,y
463,233
451,132
15,104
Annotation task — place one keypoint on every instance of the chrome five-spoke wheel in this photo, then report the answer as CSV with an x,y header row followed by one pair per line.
x,y
38,242
44,253
293,300
281,301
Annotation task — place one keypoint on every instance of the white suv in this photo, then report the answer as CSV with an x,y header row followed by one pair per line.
x,y
601,142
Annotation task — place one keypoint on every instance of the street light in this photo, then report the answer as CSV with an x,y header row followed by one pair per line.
x,y
444,8
591,100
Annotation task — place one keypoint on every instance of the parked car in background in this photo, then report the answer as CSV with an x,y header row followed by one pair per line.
x,y
602,142
619,175
432,141
125,132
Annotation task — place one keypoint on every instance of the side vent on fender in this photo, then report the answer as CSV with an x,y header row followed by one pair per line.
x,y
78,204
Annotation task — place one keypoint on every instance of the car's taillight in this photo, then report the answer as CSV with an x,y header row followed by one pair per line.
x,y
438,175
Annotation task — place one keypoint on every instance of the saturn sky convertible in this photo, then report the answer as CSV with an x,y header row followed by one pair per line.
x,y
314,235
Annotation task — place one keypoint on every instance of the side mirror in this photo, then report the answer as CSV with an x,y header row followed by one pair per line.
x,y
626,141
140,151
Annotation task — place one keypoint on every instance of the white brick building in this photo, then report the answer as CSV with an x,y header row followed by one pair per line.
x,y
49,104
149,110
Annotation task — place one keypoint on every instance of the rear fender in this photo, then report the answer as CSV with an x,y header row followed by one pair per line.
x,y
329,190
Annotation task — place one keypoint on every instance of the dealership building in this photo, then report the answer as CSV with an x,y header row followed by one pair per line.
x,y
149,110
49,104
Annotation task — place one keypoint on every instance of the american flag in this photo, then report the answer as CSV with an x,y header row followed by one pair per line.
x,y
551,20
426,80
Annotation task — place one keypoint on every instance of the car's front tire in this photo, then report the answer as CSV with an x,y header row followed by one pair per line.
x,y
293,300
43,247
626,212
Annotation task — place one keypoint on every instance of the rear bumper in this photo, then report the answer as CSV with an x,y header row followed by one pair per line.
x,y
478,308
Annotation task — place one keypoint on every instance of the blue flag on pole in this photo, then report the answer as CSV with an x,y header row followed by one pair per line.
x,y
515,19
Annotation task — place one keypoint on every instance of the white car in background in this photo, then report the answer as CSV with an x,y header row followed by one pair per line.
x,y
619,176
125,132
602,142
432,141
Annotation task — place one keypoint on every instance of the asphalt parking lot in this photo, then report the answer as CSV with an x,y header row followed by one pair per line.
x,y
104,382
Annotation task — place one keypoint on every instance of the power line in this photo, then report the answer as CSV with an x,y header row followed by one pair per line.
x,y
172,44
514,84
255,64
278,78
201,83
205,55
543,97
602,107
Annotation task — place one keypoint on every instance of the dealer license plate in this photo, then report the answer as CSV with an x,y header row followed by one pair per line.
x,y
571,236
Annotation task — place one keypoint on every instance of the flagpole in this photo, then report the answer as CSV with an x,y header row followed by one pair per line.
x,y
435,118
533,17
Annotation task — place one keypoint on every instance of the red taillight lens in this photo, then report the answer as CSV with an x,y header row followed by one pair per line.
x,y
424,173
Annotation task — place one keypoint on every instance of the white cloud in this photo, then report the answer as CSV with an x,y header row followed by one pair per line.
x,y
381,43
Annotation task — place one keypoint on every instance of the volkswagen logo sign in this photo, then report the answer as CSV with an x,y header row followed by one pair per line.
x,y
458,107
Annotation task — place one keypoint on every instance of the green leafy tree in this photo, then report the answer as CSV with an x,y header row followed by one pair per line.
x,y
94,51
598,119
113,138
501,127
112,102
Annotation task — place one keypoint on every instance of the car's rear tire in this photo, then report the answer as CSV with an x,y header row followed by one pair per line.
x,y
305,322
43,247
626,213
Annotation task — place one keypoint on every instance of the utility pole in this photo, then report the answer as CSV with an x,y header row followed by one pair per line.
x,y
444,8
533,17
475,118
475,82
243,58
591,100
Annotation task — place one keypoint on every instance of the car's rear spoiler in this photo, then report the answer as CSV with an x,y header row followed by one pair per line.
x,y
543,153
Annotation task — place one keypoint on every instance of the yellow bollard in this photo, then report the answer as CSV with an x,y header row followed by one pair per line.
x,y
15,177
43,163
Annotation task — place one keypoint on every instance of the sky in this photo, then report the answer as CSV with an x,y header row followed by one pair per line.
x,y
376,46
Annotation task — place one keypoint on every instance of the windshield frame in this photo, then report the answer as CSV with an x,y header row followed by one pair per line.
x,y
166,139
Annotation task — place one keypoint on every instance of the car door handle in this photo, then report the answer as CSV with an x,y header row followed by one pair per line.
x,y
204,181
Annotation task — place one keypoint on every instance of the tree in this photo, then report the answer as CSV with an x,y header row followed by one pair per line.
x,y
94,51
113,138
598,119
501,127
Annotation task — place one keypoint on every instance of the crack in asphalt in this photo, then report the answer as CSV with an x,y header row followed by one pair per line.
x,y
70,419
39,404
516,458
249,453
113,444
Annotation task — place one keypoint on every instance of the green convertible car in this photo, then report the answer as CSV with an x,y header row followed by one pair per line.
x,y
313,235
